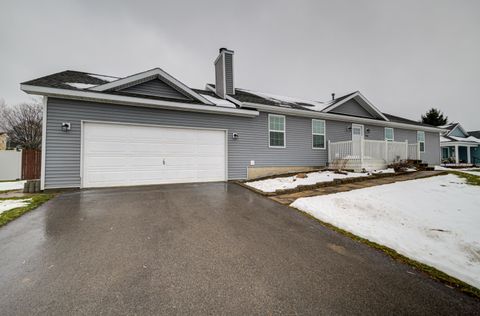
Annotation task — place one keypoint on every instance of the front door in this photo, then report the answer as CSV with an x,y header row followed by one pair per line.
x,y
357,137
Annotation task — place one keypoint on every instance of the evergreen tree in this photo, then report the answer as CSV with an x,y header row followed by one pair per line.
x,y
434,117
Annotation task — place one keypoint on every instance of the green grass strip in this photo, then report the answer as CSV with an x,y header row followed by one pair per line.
x,y
36,201
471,179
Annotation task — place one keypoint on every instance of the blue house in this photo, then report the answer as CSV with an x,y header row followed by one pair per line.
x,y
460,147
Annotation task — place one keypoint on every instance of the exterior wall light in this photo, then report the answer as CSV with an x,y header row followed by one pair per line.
x,y
66,126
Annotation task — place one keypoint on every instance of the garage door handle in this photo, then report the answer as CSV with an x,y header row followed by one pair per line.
x,y
164,161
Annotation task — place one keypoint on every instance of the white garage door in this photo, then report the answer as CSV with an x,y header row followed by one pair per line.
x,y
121,154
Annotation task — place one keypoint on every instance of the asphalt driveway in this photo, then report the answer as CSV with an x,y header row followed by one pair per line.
x,y
199,249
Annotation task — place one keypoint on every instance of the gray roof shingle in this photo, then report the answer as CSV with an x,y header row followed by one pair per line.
x,y
60,80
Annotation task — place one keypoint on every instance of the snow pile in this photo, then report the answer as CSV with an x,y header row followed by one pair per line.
x,y
389,170
218,101
271,185
433,220
7,205
13,185
79,85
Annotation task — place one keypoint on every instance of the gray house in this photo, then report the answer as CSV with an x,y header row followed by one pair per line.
x,y
150,128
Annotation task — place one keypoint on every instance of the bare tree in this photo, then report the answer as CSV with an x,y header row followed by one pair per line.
x,y
23,124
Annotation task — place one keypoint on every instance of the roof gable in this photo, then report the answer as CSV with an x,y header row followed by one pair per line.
x,y
154,87
352,107
142,77
335,105
457,131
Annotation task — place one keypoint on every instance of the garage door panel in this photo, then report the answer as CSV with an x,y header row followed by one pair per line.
x,y
116,155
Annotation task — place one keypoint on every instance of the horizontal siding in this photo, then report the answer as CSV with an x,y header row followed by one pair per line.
x,y
62,165
352,107
156,88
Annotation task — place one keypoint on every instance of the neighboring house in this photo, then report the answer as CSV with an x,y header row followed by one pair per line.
x,y
459,147
150,128
3,141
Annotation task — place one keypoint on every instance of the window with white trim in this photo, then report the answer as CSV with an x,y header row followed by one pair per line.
x,y
318,134
276,130
389,134
421,140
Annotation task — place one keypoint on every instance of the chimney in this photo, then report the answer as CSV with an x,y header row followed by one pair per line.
x,y
333,96
224,73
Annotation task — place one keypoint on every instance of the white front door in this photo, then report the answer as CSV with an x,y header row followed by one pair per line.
x,y
125,154
357,137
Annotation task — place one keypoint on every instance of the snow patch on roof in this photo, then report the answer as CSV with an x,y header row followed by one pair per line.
x,y
466,139
317,105
105,78
218,101
79,85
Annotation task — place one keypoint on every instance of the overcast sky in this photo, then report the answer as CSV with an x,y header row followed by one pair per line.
x,y
404,56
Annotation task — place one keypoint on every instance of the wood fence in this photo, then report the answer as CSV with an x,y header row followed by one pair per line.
x,y
31,164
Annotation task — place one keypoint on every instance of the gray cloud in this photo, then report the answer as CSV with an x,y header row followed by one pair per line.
x,y
405,56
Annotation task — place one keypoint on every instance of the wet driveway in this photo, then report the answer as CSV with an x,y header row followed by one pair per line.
x,y
199,249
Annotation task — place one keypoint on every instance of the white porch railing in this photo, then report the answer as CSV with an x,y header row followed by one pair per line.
x,y
359,154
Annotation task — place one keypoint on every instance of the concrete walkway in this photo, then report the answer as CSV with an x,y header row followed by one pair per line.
x,y
289,198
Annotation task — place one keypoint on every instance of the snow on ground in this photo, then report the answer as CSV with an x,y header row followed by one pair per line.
x,y
7,205
13,185
475,173
474,170
389,170
434,220
271,185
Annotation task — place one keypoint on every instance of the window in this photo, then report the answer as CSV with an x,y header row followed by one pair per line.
x,y
421,140
445,153
318,134
389,134
276,130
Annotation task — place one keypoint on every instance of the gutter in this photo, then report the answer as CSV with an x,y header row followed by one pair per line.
x,y
134,101
336,117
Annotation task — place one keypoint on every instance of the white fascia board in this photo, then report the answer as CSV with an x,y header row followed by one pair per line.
x,y
337,117
460,143
134,101
146,74
360,95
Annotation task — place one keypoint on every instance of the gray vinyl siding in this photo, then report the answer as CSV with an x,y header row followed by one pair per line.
x,y
351,107
432,154
62,164
156,88
229,73
219,79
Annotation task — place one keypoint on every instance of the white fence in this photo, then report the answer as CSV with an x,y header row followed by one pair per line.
x,y
372,150
10,164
